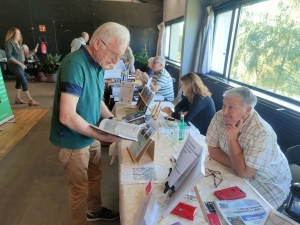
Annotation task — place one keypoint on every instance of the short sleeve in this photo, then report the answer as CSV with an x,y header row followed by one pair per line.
x,y
71,78
212,135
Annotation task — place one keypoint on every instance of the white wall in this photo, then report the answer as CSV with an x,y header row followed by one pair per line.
x,y
173,9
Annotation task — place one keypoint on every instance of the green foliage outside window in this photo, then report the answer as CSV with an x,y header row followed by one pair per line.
x,y
267,51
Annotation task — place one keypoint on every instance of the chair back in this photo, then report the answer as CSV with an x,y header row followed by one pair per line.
x,y
293,156
178,97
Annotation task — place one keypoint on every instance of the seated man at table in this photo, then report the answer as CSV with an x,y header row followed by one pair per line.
x,y
30,55
239,138
2,59
30,60
162,82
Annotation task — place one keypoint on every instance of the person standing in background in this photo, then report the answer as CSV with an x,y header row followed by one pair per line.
x,y
77,42
77,104
14,51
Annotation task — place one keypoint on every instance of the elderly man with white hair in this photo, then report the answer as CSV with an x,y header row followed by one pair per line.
x,y
77,104
162,82
239,138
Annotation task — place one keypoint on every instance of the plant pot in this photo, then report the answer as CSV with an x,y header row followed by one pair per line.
x,y
51,78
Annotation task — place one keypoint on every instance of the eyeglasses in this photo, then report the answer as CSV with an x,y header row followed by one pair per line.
x,y
154,62
216,174
113,54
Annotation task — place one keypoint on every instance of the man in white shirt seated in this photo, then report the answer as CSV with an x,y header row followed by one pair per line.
x,y
77,42
239,138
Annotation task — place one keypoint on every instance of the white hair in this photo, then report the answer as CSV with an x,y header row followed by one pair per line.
x,y
108,31
246,95
161,60
150,60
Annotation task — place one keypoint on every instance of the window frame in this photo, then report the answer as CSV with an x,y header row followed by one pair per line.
x,y
227,66
170,23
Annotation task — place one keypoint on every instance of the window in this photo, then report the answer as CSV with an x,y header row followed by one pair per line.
x,y
265,45
173,40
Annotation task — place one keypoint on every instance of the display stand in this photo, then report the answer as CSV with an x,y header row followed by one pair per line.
x,y
149,147
155,114
201,203
6,113
145,98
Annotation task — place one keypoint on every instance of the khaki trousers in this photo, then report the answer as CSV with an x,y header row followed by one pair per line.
x,y
84,170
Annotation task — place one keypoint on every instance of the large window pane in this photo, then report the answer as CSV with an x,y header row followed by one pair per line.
x,y
267,50
220,41
176,30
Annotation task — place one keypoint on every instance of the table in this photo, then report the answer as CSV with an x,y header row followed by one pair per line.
x,y
132,194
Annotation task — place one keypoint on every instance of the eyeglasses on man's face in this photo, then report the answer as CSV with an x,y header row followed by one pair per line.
x,y
216,174
112,53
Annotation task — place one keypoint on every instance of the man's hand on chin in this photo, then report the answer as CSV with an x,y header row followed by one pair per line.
x,y
233,131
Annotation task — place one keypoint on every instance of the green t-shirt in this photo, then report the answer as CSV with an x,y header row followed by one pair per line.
x,y
78,75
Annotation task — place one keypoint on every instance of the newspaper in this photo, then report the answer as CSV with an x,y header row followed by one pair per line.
x,y
241,212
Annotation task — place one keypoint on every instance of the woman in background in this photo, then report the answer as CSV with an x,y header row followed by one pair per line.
x,y
13,48
126,62
196,105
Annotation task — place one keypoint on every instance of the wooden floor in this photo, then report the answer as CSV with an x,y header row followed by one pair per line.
x,y
12,133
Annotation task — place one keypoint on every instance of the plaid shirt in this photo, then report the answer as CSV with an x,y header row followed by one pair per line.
x,y
261,152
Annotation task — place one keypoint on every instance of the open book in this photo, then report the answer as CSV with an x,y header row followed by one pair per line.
x,y
124,130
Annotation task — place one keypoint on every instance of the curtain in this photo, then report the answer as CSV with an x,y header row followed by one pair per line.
x,y
160,43
202,63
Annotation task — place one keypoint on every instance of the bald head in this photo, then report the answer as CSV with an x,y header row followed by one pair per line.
x,y
85,36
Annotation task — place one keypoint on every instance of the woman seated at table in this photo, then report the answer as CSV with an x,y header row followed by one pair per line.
x,y
197,104
162,82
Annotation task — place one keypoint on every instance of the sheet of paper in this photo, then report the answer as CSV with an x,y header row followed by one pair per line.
x,y
190,153
148,211
112,74
126,92
133,174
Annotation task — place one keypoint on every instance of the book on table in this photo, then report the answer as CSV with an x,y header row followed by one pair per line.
x,y
143,102
241,211
121,129
144,143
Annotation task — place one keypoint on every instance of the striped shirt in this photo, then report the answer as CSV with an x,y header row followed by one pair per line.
x,y
261,152
163,79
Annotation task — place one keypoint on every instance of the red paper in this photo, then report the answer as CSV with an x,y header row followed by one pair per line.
x,y
148,188
185,211
230,193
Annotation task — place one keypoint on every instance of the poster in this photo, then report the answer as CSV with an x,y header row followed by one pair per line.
x,y
5,109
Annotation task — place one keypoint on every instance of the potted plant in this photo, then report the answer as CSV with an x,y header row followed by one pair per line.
x,y
50,67
141,59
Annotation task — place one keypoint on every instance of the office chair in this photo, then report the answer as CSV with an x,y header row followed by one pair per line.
x,y
293,156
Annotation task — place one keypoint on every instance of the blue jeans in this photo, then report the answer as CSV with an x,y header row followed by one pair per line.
x,y
20,77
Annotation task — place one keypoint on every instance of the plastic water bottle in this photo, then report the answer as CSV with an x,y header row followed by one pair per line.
x,y
181,127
